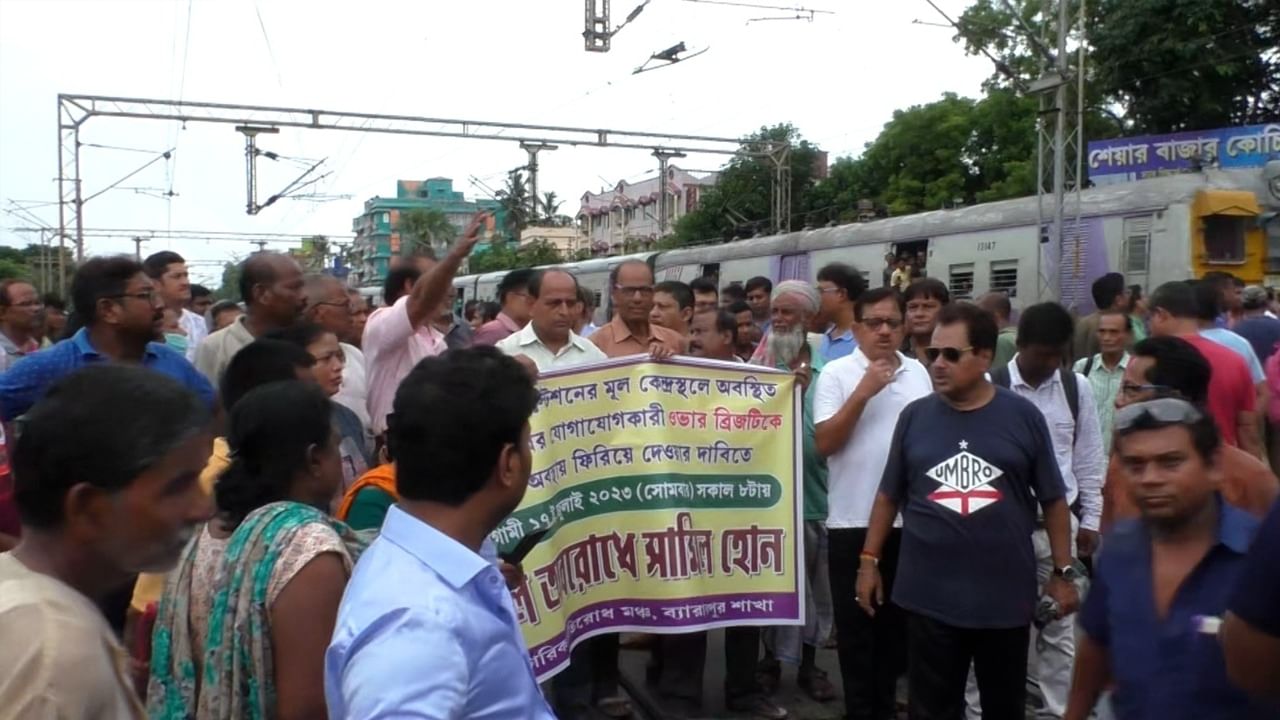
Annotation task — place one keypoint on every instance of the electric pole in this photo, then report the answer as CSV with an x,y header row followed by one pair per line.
x,y
1060,158
533,149
137,247
664,156
262,245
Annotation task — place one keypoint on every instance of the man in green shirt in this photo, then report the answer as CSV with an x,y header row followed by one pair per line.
x,y
1105,370
997,303
789,347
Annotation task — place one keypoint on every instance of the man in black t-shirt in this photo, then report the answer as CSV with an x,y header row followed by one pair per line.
x,y
967,468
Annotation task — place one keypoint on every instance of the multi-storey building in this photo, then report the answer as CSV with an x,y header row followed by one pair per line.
x,y
377,232
626,216
568,240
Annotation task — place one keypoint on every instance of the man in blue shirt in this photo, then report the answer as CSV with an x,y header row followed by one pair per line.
x,y
968,466
839,286
427,627
1162,583
1251,631
123,316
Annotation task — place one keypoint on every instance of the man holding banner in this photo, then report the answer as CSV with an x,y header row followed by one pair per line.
x,y
680,660
549,340
788,346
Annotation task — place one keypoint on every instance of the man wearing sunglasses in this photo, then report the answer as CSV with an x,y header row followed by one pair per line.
x,y
1161,588
1172,367
856,406
968,467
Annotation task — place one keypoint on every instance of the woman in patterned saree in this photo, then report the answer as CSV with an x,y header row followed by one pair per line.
x,y
247,614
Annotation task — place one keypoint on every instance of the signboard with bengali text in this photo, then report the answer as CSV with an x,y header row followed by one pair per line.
x,y
1140,157
673,499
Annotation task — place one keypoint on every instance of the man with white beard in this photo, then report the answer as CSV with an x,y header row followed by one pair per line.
x,y
789,346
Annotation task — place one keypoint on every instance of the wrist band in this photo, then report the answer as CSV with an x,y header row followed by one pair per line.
x,y
875,559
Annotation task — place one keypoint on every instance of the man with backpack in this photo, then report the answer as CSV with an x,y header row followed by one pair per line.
x,y
1105,370
1066,401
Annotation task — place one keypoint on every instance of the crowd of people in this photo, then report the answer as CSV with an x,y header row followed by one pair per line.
x,y
280,508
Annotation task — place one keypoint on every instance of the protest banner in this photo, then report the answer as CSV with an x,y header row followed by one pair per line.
x,y
671,498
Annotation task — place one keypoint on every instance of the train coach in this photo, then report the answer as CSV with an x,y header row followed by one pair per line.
x,y
1152,231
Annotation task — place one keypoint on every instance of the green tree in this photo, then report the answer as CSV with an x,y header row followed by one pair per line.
x,y
1153,66
931,156
230,287
425,231
514,199
741,201
505,256
37,264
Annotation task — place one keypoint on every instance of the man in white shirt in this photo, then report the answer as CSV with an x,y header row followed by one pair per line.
x,y
548,339
1036,373
399,335
856,408
329,306
168,270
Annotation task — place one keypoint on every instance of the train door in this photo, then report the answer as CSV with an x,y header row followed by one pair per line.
x,y
711,270
916,252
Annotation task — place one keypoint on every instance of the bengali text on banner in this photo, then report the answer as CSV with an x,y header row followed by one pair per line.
x,y
671,497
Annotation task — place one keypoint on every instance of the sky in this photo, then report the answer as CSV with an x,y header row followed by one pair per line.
x,y
838,79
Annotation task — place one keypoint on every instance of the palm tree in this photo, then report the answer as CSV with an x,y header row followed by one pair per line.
x,y
425,230
515,204
550,206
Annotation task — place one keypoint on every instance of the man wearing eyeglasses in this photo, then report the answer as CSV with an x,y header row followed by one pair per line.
x,y
19,319
1173,367
329,306
122,313
856,407
1161,588
630,332
967,467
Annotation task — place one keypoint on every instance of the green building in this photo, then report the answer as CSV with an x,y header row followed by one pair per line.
x,y
377,238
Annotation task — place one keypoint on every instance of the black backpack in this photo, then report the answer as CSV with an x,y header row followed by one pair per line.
x,y
1000,376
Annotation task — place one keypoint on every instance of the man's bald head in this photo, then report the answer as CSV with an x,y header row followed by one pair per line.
x,y
328,304
271,286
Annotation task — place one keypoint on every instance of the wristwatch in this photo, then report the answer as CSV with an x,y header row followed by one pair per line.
x,y
1068,573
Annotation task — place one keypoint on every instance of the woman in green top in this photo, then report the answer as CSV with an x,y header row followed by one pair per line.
x,y
247,614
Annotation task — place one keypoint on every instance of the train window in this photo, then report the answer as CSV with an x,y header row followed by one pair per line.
x,y
1224,239
961,281
711,270
1004,277
1137,244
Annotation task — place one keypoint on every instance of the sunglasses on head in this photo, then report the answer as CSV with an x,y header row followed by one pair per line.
x,y
949,354
1164,411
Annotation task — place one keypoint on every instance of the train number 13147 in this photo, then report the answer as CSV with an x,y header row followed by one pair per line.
x,y
987,246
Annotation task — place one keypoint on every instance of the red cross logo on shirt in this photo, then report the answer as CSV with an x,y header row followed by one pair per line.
x,y
965,481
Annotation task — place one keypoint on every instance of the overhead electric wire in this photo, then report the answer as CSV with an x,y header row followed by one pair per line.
x,y
163,156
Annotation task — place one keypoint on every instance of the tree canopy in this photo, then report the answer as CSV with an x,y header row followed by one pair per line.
x,y
740,203
1154,66
425,230
37,264
506,256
